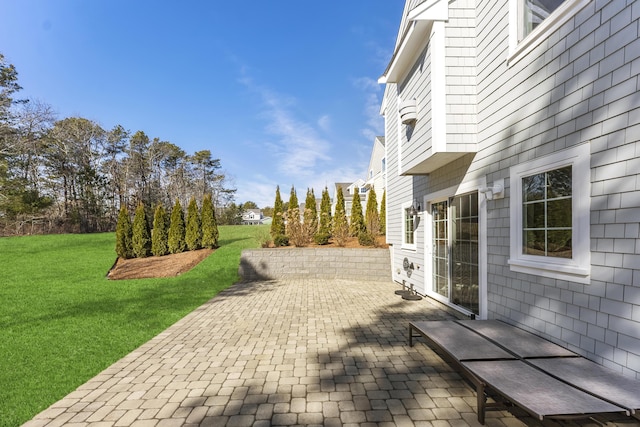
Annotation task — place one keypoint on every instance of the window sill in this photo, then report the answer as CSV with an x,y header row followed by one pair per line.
x,y
560,271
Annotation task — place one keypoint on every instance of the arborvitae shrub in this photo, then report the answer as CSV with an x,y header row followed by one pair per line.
x,y
209,224
141,238
366,238
177,230
324,228
295,228
277,222
123,234
357,219
310,215
340,225
321,238
280,240
193,235
294,205
160,232
371,218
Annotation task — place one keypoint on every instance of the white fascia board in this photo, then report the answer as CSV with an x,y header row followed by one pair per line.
x,y
430,10
415,38
383,104
438,89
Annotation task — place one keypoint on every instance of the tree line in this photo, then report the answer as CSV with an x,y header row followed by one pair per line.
x,y
300,226
72,175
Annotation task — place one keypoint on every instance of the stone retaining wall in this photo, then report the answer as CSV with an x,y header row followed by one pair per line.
x,y
318,263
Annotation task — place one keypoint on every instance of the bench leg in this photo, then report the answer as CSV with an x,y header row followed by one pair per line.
x,y
482,399
410,335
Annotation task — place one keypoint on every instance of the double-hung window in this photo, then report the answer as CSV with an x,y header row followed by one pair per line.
x,y
550,216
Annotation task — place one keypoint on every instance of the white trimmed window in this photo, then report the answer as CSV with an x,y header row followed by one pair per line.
x,y
408,227
532,21
550,209
532,13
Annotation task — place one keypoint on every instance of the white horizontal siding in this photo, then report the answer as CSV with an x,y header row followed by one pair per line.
x,y
416,145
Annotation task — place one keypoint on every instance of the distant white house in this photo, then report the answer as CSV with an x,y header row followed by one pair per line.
x,y
376,174
252,217
512,137
376,179
348,190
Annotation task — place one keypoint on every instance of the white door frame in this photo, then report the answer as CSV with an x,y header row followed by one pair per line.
x,y
438,196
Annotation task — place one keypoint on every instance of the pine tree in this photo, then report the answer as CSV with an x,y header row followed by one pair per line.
x,y
123,234
160,232
141,238
340,225
277,223
176,230
357,219
193,235
209,224
383,213
325,214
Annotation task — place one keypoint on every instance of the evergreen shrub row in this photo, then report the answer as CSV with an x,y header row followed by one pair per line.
x,y
310,226
169,235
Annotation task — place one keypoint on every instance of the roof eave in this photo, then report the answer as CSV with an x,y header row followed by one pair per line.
x,y
415,37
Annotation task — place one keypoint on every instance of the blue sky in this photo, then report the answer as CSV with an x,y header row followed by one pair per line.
x,y
283,92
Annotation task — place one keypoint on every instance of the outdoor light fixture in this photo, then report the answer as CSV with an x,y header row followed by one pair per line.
x,y
494,192
413,211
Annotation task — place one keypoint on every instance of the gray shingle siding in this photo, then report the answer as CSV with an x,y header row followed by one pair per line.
x,y
580,85
580,89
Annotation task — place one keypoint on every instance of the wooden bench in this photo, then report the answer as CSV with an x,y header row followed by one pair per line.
x,y
515,367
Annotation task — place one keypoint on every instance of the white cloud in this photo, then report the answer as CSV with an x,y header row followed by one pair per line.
x,y
374,122
258,189
297,145
298,153
366,84
324,123
381,54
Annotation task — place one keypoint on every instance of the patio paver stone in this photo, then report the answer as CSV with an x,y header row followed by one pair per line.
x,y
287,352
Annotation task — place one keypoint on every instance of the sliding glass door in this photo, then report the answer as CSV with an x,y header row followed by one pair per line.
x,y
454,234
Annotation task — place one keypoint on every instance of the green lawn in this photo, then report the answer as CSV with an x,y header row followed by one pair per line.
x,y
62,321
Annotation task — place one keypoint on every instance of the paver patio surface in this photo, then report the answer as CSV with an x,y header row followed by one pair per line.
x,y
296,352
